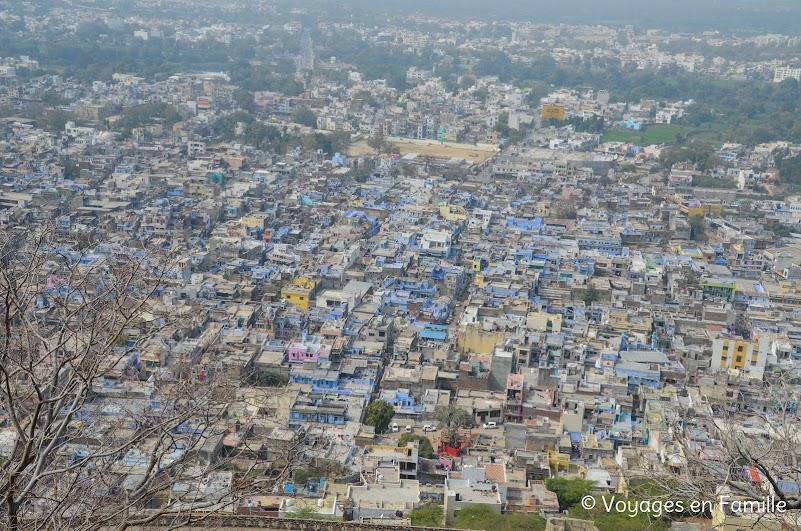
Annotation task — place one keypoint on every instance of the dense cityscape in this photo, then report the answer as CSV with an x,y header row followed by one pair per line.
x,y
287,265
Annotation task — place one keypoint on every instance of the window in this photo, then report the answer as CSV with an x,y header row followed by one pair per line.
x,y
738,359
740,348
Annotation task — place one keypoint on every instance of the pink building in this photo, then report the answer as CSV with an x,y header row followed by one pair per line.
x,y
300,352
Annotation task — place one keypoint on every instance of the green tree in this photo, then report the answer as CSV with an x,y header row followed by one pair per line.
x,y
780,229
361,173
377,142
503,124
425,449
482,517
147,114
451,418
270,379
300,476
379,414
307,513
477,517
617,521
245,100
52,98
697,227
304,116
340,141
566,211
431,516
55,120
590,294
71,170
481,94
121,340
569,492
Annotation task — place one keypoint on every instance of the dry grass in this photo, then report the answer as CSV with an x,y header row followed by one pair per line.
x,y
477,154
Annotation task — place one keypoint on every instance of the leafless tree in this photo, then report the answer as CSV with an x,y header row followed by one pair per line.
x,y
739,437
89,438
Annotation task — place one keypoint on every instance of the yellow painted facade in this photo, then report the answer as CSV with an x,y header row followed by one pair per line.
x,y
473,339
256,220
737,353
544,322
553,112
702,210
558,461
300,293
453,212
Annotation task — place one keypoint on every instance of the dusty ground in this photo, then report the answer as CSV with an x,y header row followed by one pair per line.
x,y
477,154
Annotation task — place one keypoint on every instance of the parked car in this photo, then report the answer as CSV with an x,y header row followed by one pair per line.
x,y
490,425
395,428
429,427
408,429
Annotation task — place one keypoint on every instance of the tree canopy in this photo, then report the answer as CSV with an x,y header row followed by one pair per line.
x,y
697,227
451,418
430,516
304,116
569,492
379,415
482,517
590,295
425,449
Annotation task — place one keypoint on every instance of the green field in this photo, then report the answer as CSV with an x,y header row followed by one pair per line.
x,y
714,133
645,137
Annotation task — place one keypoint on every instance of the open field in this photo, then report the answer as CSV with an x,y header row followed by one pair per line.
x,y
646,137
478,153
713,132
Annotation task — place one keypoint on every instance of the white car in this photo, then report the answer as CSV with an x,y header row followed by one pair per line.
x,y
490,425
394,427
429,427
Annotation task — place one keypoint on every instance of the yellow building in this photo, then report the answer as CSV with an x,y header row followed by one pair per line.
x,y
300,293
553,112
558,461
544,322
199,189
692,252
741,354
472,338
701,209
477,268
453,212
256,220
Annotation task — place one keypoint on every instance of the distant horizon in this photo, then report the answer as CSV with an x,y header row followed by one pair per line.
x,y
771,16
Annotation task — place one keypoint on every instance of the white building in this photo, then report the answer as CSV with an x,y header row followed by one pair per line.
x,y
436,243
786,72
742,354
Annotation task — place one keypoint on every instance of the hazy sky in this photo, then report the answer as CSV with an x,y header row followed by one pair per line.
x,y
761,15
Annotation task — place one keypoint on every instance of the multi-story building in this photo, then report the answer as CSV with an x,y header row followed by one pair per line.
x,y
748,355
